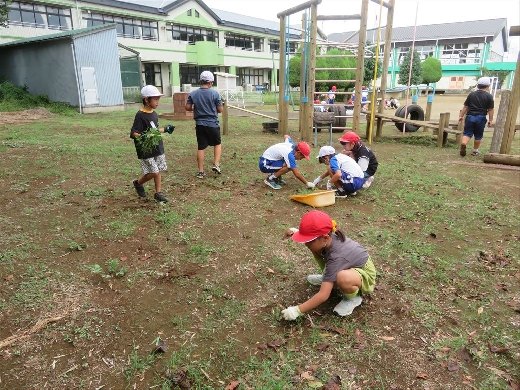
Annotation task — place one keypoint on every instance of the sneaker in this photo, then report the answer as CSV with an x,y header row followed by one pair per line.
x,y
201,175
347,305
476,152
368,182
341,194
280,181
216,169
139,189
272,184
159,197
315,280
462,150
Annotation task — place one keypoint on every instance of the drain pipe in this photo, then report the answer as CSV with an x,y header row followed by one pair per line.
x,y
77,78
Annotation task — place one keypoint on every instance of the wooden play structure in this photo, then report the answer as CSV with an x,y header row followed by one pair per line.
x,y
505,124
308,63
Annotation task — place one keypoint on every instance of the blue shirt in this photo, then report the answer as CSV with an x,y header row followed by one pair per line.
x,y
205,102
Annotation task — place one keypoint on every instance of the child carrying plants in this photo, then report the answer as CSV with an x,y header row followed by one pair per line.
x,y
148,142
344,262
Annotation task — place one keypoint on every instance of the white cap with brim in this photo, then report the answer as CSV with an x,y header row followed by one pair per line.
x,y
326,151
150,91
484,81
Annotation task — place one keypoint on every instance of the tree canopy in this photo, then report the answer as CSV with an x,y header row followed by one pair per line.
x,y
4,14
404,69
431,70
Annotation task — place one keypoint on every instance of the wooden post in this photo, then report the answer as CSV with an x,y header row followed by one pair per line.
x,y
429,104
446,124
225,113
507,159
360,65
283,110
512,112
440,131
500,121
386,58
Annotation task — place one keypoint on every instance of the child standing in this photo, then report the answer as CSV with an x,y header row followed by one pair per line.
x,y
344,262
366,159
153,162
345,174
206,104
280,159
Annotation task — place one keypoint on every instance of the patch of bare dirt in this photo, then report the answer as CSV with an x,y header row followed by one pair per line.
x,y
26,116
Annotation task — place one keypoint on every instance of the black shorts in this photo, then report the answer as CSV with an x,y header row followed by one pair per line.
x,y
207,136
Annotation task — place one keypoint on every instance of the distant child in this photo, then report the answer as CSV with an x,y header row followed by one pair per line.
x,y
280,159
366,159
331,97
206,104
477,106
154,162
345,174
344,262
394,103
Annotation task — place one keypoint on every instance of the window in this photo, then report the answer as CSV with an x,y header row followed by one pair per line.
x,y
39,16
241,41
191,34
460,53
152,75
274,45
126,27
189,74
250,76
197,15
189,12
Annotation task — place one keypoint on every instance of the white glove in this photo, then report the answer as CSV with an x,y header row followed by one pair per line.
x,y
289,232
291,313
330,186
310,184
317,180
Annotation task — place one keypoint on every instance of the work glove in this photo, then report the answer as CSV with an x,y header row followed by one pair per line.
x,y
310,184
317,180
169,129
330,186
289,232
291,313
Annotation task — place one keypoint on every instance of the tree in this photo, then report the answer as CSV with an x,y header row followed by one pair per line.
x,y
4,13
370,63
501,74
404,69
431,70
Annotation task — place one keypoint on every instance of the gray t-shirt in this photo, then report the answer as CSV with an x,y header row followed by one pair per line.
x,y
205,101
343,255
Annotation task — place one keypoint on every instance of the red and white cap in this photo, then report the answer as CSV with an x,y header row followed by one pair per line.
x,y
313,225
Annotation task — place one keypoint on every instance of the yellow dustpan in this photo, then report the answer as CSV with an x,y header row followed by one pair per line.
x,y
320,198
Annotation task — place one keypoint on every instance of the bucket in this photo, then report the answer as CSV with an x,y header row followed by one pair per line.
x,y
320,198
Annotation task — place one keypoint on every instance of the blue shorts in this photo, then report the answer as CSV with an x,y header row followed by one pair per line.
x,y
351,184
474,126
270,166
207,136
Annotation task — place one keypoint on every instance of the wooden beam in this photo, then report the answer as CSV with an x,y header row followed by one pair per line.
x,y
338,17
514,31
507,159
298,8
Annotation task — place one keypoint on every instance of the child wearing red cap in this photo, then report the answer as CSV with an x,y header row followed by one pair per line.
x,y
281,158
331,97
345,174
345,263
366,159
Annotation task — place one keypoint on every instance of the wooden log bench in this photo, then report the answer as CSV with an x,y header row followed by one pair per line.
x,y
443,124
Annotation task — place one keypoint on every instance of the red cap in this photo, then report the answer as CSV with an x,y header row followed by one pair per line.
x,y
363,87
313,224
349,136
305,149
333,88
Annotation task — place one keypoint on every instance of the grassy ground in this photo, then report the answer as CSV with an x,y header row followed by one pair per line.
x,y
92,279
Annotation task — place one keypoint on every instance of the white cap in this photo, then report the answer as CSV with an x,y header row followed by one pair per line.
x,y
150,90
484,81
326,151
207,76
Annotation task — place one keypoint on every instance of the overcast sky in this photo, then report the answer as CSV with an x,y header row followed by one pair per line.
x,y
428,12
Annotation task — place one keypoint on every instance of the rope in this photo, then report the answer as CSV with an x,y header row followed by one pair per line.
x,y
287,58
306,54
411,62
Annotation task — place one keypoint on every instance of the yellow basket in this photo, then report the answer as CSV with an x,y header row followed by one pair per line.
x,y
320,198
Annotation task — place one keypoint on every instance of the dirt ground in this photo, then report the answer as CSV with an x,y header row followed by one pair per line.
x,y
102,318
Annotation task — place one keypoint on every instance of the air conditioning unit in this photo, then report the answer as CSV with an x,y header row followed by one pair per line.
x,y
186,87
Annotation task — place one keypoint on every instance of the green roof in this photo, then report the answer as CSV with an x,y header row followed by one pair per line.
x,y
60,35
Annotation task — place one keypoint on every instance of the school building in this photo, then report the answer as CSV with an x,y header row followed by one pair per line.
x,y
463,48
169,44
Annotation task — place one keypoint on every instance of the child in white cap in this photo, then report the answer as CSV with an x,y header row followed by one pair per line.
x,y
152,162
206,104
346,176
478,104
344,262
